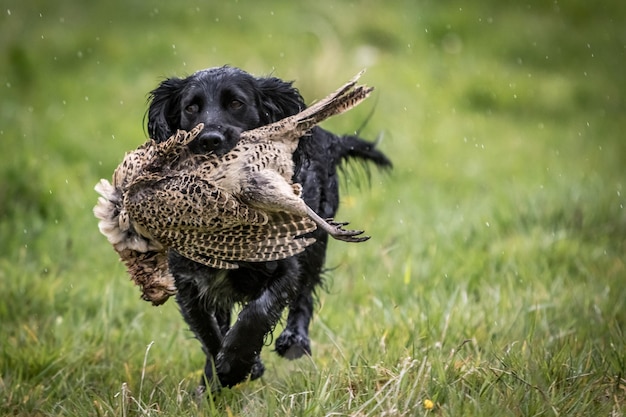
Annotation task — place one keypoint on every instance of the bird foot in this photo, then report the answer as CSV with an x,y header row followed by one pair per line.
x,y
338,232
335,229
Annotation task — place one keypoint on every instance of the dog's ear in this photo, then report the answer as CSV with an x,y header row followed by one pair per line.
x,y
164,109
278,99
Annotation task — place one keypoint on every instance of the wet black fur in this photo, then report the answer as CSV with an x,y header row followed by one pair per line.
x,y
228,100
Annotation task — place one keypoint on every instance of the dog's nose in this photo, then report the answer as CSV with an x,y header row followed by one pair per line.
x,y
213,139
208,141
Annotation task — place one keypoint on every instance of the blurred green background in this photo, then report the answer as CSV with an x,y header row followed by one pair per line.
x,y
502,224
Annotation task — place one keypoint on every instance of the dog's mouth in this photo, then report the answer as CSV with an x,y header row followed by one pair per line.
x,y
217,140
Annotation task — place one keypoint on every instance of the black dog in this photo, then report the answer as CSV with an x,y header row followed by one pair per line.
x,y
228,101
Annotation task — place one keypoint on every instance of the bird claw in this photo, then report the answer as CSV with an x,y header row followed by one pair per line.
x,y
345,235
332,222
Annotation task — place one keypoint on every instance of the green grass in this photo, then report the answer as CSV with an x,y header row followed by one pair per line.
x,y
495,279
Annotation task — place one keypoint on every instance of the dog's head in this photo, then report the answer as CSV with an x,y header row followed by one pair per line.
x,y
226,99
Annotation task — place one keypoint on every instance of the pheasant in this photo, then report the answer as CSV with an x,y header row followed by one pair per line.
x,y
217,210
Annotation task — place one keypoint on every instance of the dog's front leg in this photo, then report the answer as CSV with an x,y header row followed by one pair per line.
x,y
241,347
207,320
203,323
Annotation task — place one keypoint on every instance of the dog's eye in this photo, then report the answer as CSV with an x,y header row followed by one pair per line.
x,y
235,104
192,108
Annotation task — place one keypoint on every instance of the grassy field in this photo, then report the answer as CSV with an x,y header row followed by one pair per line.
x,y
495,279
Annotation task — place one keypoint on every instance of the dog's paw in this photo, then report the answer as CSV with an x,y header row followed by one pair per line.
x,y
257,369
293,345
233,370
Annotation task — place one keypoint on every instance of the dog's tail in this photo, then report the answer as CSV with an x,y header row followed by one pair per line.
x,y
354,157
352,147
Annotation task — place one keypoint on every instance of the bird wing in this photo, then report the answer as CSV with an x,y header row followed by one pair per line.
x,y
155,157
206,224
292,128
277,239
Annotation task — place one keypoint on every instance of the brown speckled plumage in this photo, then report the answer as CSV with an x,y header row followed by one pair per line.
x,y
216,210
